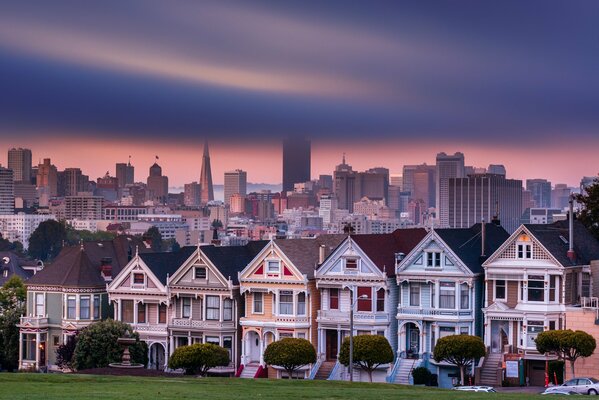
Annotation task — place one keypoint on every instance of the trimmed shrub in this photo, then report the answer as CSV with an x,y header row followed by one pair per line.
x,y
370,351
198,358
422,376
290,353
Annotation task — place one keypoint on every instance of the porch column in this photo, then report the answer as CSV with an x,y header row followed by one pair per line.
x,y
172,344
338,341
402,339
37,350
20,349
422,339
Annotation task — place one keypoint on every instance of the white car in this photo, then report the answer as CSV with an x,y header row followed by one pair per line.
x,y
487,389
582,385
560,390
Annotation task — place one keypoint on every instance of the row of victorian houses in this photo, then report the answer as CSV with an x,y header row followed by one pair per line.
x,y
413,286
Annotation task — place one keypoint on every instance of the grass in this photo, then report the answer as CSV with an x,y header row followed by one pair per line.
x,y
72,387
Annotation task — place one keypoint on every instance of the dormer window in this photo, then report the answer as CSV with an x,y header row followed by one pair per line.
x,y
273,267
200,273
351,264
524,247
433,259
139,279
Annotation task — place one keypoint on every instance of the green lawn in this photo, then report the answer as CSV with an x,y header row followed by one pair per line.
x,y
72,387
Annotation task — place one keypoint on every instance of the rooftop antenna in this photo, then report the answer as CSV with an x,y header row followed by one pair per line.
x,y
343,162
129,160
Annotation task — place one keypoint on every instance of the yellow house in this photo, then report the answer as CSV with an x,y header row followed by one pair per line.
x,y
281,299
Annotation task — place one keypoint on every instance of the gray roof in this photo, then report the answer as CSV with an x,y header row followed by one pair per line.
x,y
554,237
165,264
12,263
304,253
230,260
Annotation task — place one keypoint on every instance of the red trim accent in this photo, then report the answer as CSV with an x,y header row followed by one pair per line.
x,y
262,372
287,271
260,270
239,371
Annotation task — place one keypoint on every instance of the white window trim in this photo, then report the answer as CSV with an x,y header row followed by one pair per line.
x,y
495,298
194,273
254,302
273,260
437,255
138,285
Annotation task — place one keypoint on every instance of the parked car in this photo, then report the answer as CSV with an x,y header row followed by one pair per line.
x,y
582,385
560,390
487,389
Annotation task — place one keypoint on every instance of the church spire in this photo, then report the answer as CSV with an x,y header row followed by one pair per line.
x,y
206,189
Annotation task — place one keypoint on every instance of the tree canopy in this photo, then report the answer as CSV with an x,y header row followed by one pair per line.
x,y
97,345
459,350
12,306
290,353
567,344
156,238
198,358
370,351
47,240
589,214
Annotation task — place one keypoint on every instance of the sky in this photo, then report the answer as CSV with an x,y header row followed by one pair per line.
x,y
386,82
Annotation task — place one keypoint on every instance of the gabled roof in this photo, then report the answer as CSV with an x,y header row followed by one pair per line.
x,y
381,248
119,250
164,264
72,268
466,243
554,237
11,262
230,260
305,253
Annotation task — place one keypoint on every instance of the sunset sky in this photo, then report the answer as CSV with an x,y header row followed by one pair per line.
x,y
388,83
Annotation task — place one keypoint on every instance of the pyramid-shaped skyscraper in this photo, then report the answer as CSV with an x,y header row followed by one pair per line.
x,y
206,189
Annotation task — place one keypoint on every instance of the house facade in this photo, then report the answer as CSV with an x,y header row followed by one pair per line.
x,y
281,299
530,280
440,284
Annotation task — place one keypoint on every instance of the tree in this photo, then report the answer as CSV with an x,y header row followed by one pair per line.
x,y
198,358
370,351
155,236
459,350
290,353
567,344
47,240
97,345
7,245
589,215
12,305
75,236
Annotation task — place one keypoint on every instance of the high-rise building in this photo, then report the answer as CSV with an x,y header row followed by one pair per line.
x,y
235,183
125,173
424,185
191,196
448,166
484,197
74,182
325,182
496,169
19,161
587,181
396,180
84,207
296,162
374,184
344,179
326,209
541,192
47,181
407,178
207,191
7,191
157,184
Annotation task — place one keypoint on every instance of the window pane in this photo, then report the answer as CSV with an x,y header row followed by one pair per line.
x,y
127,311
141,313
447,295
464,297
536,291
414,294
212,308
333,299
200,273
228,310
71,307
365,304
138,279
301,304
257,302
84,307
380,300
186,307
40,309
286,303
500,289
162,314
97,300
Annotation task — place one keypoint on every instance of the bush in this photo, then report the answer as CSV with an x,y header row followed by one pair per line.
x,y
556,368
198,358
370,351
422,376
66,352
567,344
290,353
97,345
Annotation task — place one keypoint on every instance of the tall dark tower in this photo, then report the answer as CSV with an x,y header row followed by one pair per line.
x,y
206,189
296,162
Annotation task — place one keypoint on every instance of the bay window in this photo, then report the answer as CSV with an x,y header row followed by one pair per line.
x,y
333,299
536,288
447,295
286,302
212,308
301,304
71,307
127,311
257,303
84,307
40,307
414,294
464,296
365,304
227,310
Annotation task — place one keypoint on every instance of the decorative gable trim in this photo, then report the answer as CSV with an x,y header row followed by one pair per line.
x,y
349,249
198,258
255,270
136,264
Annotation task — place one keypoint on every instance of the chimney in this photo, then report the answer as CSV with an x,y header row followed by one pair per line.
x,y
321,254
398,258
106,268
483,238
571,254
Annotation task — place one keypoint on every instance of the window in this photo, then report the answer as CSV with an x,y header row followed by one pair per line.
x,y
464,296
56,340
71,307
447,295
532,330
524,251
500,289
366,303
162,313
446,331
40,308
286,302
536,291
301,304
213,339
273,267
283,335
228,344
141,313
433,299
552,287
97,300
301,335
380,300
84,307
464,330
258,303
433,259
200,273
551,325
29,346
415,294
227,310
351,263
212,308
333,299
127,311
138,279
186,307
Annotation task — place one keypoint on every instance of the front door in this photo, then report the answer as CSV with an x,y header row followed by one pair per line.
x,y
332,344
253,345
499,335
42,354
414,340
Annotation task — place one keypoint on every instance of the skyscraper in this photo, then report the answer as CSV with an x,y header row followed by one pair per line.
x,y
125,173
482,197
448,166
344,181
296,162
157,184
19,160
191,196
74,181
7,192
207,191
541,192
235,183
